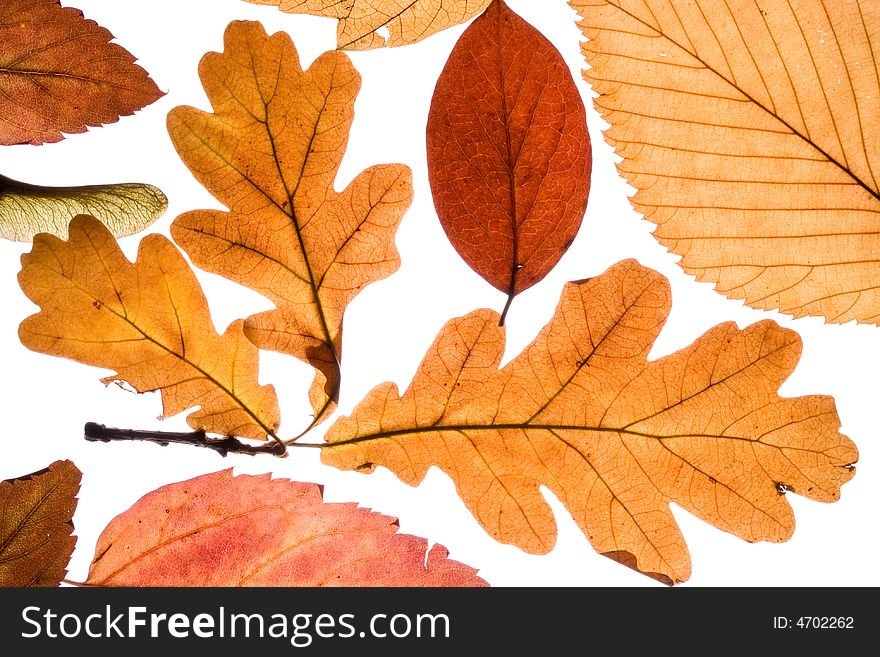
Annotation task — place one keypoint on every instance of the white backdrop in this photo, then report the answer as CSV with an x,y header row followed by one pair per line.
x,y
47,400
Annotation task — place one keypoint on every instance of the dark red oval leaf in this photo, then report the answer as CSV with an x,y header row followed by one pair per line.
x,y
508,151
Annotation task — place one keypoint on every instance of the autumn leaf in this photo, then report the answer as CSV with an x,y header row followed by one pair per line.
x,y
615,437
270,153
149,321
125,208
36,530
365,24
251,530
60,73
750,131
508,151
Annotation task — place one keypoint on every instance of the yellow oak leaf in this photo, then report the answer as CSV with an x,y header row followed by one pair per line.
x,y
147,320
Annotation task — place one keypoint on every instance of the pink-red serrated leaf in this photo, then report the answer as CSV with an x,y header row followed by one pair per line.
x,y
60,73
508,151
221,530
36,530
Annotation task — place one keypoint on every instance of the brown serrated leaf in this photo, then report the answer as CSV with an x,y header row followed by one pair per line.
x,y
149,321
59,72
509,154
270,153
615,437
251,530
750,131
366,24
36,528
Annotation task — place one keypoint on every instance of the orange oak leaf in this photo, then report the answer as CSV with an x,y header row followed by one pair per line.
x,y
365,24
508,151
36,525
149,321
251,530
615,437
750,131
270,153
59,72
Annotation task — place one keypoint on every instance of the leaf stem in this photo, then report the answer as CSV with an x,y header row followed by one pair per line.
x,y
225,445
506,308
511,292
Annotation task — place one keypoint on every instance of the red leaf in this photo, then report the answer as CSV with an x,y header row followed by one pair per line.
x,y
508,151
220,530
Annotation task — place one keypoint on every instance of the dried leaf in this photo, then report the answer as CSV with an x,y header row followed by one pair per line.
x,y
60,73
125,208
220,530
615,437
750,131
149,321
36,528
365,24
270,153
508,151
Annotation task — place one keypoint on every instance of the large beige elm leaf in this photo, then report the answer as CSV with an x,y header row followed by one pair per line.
x,y
749,129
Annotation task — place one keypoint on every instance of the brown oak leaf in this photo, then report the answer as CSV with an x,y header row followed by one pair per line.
x,y
270,152
616,437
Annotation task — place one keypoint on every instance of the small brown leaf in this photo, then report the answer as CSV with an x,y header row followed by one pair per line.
x,y
36,528
149,321
362,22
60,73
508,151
220,530
615,437
270,152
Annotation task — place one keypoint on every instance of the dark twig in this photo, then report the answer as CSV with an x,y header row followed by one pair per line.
x,y
225,445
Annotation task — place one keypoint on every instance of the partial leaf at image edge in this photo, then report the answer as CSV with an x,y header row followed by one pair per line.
x,y
60,73
617,438
749,130
149,321
125,208
36,528
509,154
270,152
191,533
363,22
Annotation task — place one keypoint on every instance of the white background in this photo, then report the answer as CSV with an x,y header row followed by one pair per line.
x,y
47,400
